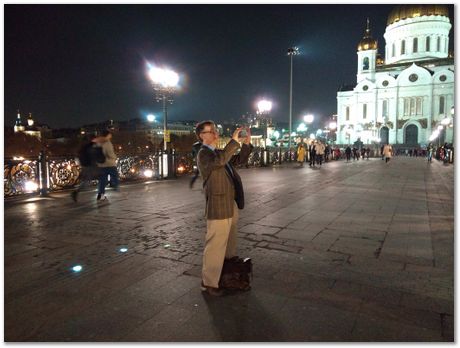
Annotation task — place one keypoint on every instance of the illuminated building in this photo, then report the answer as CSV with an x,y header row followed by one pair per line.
x,y
402,99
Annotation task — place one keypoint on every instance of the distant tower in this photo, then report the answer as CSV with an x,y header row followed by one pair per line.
x,y
30,120
367,56
18,126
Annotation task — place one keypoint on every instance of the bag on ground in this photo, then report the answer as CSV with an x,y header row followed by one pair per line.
x,y
236,274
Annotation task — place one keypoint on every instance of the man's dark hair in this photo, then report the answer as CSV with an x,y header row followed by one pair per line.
x,y
105,132
200,126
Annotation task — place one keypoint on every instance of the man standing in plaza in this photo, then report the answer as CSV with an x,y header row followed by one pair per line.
x,y
108,167
224,196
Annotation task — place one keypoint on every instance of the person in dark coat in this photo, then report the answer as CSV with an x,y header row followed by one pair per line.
x,y
348,153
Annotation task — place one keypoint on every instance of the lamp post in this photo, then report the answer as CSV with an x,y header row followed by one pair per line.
x,y
291,52
164,83
263,109
151,119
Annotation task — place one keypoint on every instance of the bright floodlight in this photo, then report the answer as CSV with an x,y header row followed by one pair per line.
x,y
164,77
264,106
151,118
276,134
293,51
319,132
301,127
308,118
312,136
333,125
440,127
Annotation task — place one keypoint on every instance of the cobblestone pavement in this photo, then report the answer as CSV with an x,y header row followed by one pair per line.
x,y
359,251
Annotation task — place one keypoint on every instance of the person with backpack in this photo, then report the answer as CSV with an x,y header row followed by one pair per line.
x,y
108,167
88,156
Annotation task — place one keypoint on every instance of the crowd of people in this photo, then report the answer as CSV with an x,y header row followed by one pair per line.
x,y
317,152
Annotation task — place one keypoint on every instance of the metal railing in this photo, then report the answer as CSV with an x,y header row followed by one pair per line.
x,y
45,174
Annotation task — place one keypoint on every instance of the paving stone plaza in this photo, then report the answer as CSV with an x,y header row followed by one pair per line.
x,y
359,251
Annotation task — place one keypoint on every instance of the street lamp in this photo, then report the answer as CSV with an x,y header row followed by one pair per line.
x,y
164,83
263,109
291,52
151,118
308,118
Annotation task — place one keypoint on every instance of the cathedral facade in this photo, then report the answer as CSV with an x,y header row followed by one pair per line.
x,y
406,97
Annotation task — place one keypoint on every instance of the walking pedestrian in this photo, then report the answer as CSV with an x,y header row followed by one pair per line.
x,y
381,151
320,149
348,153
88,157
387,152
355,154
301,154
429,152
224,196
368,151
109,167
312,153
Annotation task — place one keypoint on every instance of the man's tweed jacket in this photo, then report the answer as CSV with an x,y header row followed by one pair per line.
x,y
222,186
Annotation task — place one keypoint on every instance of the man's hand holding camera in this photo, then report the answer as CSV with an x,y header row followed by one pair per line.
x,y
242,132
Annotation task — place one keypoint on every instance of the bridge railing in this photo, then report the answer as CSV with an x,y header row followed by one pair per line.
x,y
45,174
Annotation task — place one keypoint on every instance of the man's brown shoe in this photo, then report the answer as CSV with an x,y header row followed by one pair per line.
x,y
212,291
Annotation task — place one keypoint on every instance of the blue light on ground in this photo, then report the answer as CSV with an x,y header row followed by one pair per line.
x,y
77,268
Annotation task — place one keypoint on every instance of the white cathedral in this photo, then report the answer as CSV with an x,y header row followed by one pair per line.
x,y
409,96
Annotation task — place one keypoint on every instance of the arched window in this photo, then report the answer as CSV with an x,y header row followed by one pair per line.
x,y
406,106
364,111
438,44
446,46
366,63
412,106
418,106
442,101
385,108
427,44
403,47
347,113
415,45
393,50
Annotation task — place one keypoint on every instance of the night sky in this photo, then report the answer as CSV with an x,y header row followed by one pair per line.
x,y
77,64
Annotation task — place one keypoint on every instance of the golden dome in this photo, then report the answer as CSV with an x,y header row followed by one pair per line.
x,y
367,42
401,12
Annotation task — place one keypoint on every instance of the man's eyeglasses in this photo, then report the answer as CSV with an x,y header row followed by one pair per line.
x,y
213,131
